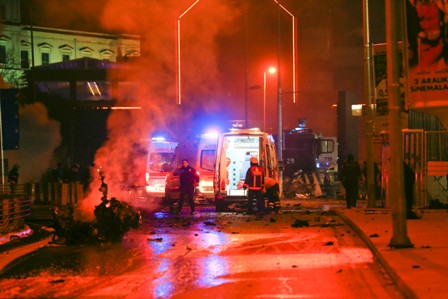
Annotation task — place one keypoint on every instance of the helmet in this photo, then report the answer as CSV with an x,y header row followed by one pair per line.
x,y
254,160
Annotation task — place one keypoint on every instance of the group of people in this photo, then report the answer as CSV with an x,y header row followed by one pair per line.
x,y
351,175
256,184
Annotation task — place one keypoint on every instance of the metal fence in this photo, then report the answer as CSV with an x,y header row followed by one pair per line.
x,y
14,208
437,164
16,205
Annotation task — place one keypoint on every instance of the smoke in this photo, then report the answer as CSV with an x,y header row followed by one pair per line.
x,y
123,156
39,137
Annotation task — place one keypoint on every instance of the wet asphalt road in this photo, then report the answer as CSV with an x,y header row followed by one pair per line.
x,y
293,254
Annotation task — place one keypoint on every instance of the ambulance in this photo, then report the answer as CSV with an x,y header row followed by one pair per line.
x,y
205,164
160,162
233,153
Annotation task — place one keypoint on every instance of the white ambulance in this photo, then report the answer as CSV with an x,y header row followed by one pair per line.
x,y
205,164
161,161
234,150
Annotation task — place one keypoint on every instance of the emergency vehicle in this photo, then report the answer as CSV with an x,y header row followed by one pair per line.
x,y
310,163
308,151
161,161
234,150
200,151
205,164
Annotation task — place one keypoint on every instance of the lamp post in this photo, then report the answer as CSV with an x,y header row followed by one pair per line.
x,y
270,70
294,42
178,78
280,93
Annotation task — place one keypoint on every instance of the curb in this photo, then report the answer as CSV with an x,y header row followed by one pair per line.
x,y
402,286
13,254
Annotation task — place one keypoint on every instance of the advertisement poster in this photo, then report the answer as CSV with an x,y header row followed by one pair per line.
x,y
380,85
427,33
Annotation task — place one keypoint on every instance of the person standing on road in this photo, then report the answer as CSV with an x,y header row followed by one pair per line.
x,y
350,177
13,178
409,181
189,179
254,182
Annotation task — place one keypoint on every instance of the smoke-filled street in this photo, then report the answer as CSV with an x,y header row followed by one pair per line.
x,y
294,254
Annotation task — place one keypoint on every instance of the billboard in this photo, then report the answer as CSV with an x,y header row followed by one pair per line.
x,y
427,37
380,88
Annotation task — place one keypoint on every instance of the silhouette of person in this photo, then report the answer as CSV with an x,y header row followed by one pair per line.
x,y
350,177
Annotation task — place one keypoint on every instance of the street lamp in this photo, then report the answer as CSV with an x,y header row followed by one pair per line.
x,y
178,85
270,70
294,41
280,100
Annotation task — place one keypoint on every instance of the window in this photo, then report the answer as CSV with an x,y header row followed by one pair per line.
x,y
45,58
327,146
45,51
208,159
2,54
86,52
106,54
66,52
161,162
24,59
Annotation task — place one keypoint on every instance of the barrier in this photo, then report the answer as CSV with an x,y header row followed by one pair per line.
x,y
57,194
13,212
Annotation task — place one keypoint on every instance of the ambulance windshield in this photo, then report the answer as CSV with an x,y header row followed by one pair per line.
x,y
161,162
208,159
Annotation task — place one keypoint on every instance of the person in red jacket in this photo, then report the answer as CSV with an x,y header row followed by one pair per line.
x,y
254,182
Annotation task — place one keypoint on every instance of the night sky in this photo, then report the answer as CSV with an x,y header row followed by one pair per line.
x,y
221,43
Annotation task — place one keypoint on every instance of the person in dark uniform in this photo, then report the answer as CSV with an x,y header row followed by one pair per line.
x,y
350,177
189,179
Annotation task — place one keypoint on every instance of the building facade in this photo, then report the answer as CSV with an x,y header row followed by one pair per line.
x,y
24,45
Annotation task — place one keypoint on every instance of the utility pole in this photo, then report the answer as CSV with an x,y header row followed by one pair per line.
x,y
280,111
246,73
1,146
396,182
371,196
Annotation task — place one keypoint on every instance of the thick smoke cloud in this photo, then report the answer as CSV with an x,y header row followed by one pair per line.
x,y
122,157
39,137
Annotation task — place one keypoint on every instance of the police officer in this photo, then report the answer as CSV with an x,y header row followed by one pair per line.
x,y
254,182
189,179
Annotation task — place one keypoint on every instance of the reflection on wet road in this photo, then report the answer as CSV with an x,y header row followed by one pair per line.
x,y
225,255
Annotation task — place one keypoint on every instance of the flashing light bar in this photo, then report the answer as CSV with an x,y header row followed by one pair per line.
x,y
126,108
213,135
